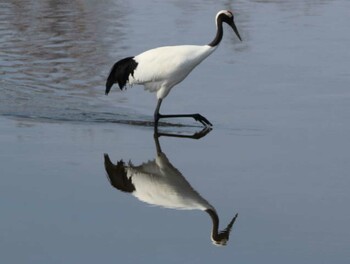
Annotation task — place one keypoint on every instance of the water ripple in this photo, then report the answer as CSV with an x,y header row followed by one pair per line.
x,y
53,58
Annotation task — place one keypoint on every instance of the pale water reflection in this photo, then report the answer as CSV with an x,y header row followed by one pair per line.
x,y
157,182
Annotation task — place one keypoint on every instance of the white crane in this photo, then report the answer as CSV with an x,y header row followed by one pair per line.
x,y
160,69
159,183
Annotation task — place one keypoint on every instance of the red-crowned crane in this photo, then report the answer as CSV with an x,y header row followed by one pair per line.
x,y
160,69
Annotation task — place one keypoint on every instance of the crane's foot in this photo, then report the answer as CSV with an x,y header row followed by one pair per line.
x,y
198,117
202,119
196,135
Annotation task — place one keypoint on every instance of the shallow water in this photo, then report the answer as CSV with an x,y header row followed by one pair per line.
x,y
278,154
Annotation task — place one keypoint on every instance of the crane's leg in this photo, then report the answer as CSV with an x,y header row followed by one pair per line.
x,y
156,113
197,117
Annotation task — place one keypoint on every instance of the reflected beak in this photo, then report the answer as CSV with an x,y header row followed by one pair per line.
x,y
232,24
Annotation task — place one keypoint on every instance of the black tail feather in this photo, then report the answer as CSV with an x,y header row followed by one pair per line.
x,y
120,73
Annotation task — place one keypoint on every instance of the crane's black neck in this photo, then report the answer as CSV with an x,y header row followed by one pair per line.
x,y
220,237
219,33
215,219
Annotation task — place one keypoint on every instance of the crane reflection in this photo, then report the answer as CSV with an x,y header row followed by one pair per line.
x,y
158,182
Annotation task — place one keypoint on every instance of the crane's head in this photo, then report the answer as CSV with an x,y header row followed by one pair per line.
x,y
219,238
227,17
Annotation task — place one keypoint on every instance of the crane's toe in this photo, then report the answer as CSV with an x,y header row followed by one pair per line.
x,y
202,119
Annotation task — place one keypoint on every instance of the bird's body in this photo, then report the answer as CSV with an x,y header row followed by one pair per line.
x,y
160,69
159,183
171,65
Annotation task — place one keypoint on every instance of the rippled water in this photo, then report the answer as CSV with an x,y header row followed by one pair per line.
x,y
278,154
55,56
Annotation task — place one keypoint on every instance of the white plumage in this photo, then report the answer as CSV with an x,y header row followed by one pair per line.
x,y
158,183
167,70
160,69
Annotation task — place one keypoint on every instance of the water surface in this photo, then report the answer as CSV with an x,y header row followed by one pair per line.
x,y
278,154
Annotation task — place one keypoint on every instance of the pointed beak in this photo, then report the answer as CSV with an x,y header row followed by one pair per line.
x,y
232,24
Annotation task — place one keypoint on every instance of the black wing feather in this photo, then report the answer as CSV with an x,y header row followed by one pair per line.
x,y
120,73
